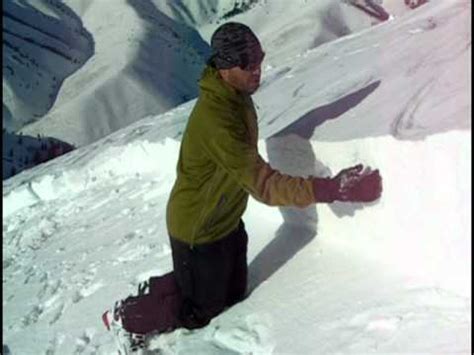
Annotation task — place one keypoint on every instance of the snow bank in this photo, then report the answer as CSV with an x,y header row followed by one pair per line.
x,y
112,164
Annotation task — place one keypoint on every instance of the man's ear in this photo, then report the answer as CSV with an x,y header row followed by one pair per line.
x,y
224,73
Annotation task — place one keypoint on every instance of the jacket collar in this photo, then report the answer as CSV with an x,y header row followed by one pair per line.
x,y
212,83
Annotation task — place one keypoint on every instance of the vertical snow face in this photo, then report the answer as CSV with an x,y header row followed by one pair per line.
x,y
43,43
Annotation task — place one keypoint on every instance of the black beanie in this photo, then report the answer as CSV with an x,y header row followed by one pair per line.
x,y
235,45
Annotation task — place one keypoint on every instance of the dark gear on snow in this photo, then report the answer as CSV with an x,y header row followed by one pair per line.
x,y
153,309
211,276
235,45
206,280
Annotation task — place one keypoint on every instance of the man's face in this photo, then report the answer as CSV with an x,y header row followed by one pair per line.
x,y
245,80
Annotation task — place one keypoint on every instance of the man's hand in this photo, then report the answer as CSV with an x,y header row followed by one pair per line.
x,y
359,185
354,184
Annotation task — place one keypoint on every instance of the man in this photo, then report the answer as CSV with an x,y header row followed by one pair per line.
x,y
219,167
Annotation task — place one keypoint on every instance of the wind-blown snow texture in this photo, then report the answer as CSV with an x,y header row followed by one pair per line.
x,y
393,276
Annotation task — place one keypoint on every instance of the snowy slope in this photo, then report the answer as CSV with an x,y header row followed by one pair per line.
x,y
393,276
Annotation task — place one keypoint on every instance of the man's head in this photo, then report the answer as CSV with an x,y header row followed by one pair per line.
x,y
238,55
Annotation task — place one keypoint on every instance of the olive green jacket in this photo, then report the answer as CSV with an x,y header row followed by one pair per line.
x,y
219,166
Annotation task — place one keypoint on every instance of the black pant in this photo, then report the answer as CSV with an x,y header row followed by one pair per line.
x,y
211,277
206,279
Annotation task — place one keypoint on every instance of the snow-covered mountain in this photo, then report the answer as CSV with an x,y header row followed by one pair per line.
x,y
42,46
143,63
137,57
389,277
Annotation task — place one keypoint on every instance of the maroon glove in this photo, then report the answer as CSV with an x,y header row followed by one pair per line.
x,y
352,184
325,190
366,188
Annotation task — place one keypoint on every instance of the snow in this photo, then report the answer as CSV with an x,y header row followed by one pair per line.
x,y
393,276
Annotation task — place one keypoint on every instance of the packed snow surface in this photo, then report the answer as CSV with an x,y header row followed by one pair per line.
x,y
393,276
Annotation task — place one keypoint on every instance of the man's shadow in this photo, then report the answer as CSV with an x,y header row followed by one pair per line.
x,y
291,153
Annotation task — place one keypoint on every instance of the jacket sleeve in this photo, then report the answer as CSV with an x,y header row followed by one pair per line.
x,y
229,147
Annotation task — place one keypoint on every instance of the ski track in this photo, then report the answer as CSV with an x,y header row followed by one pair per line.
x,y
404,125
